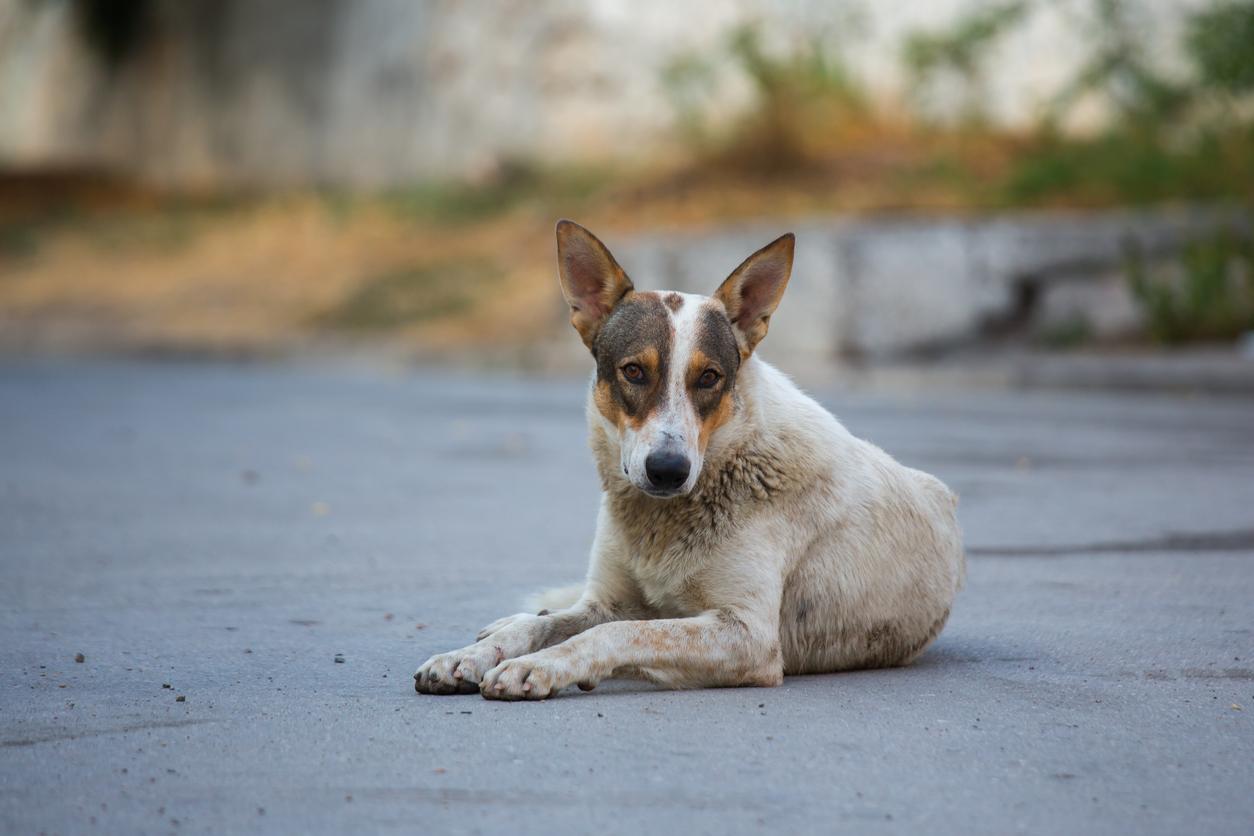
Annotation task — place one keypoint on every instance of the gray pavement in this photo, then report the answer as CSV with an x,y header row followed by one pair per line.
x,y
228,530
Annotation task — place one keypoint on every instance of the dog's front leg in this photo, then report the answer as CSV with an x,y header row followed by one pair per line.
x,y
716,648
460,671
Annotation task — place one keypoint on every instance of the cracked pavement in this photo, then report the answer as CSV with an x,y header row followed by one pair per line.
x,y
281,546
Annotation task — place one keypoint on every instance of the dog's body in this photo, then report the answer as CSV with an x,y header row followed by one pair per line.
x,y
744,533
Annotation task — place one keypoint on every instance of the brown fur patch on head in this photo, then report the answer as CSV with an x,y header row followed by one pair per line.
x,y
638,331
673,301
607,405
717,418
717,349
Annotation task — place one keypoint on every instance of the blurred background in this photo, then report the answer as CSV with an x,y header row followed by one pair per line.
x,y
289,401
970,180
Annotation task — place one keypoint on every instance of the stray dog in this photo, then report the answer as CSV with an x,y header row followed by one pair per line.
x,y
744,533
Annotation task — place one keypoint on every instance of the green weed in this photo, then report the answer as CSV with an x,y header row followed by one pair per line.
x,y
412,296
1207,296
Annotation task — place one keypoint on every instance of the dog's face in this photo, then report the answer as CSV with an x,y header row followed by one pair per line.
x,y
666,362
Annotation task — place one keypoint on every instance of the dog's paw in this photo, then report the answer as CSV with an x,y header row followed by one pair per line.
x,y
502,623
456,672
532,677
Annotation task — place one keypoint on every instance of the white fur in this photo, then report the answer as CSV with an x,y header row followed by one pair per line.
x,y
830,556
557,598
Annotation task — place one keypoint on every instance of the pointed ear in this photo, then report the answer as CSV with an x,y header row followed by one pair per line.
x,y
754,289
592,281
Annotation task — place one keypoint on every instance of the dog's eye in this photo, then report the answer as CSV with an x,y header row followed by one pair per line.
x,y
633,372
708,379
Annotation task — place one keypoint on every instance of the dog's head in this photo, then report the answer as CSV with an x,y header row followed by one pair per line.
x,y
666,362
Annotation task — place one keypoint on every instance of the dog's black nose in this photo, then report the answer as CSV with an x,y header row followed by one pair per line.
x,y
667,470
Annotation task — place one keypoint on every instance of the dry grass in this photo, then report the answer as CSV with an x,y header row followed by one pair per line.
x,y
259,276
87,263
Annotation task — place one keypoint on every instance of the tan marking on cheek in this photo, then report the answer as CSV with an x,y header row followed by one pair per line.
x,y
719,416
603,397
651,361
714,420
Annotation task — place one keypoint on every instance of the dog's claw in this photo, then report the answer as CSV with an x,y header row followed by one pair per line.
x,y
534,677
458,672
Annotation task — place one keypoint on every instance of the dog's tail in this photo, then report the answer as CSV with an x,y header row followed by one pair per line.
x,y
558,598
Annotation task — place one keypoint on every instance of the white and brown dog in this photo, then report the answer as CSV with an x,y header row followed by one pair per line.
x,y
744,534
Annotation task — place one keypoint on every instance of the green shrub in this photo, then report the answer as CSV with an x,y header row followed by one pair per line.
x,y
1208,296
802,96
412,296
1169,138
959,52
1220,41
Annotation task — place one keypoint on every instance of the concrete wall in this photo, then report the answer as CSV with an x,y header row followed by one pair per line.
x,y
882,289
369,92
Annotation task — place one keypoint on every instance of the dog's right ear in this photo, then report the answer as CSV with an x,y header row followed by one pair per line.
x,y
592,281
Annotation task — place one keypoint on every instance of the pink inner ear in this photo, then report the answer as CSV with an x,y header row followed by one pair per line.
x,y
758,289
587,272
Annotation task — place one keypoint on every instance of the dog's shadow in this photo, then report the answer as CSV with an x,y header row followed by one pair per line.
x,y
943,657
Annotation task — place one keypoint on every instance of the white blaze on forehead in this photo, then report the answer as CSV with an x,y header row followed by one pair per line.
x,y
679,419
675,426
684,322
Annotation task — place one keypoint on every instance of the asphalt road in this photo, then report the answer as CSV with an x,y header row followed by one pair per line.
x,y
210,537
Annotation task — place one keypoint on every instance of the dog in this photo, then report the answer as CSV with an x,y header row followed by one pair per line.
x,y
744,534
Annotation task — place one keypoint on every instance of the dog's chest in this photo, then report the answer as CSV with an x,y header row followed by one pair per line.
x,y
669,589
666,554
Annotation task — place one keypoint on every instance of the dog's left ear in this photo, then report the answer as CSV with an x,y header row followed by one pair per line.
x,y
752,292
592,281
